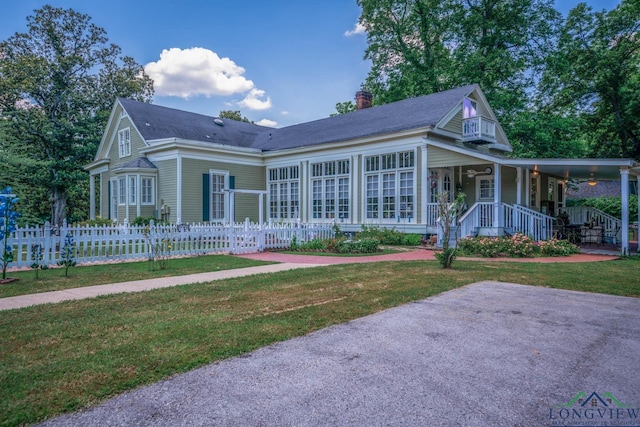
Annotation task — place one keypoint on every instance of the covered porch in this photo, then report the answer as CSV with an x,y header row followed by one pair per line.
x,y
508,196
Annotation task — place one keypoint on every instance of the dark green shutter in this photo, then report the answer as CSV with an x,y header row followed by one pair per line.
x,y
205,196
108,200
232,182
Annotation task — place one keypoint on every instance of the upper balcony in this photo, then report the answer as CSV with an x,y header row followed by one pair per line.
x,y
479,130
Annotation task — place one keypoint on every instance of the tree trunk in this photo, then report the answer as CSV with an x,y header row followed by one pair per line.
x,y
58,206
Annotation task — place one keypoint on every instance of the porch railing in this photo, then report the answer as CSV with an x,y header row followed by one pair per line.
x,y
480,214
515,219
611,225
529,222
478,129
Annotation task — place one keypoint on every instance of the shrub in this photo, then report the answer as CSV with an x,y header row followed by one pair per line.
x,y
555,247
608,205
387,236
412,239
141,221
362,246
517,246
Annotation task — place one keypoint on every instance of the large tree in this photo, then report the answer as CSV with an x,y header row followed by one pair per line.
x,y
58,82
419,47
595,73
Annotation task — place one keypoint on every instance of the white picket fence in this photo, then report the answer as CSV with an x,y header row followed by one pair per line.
x,y
126,242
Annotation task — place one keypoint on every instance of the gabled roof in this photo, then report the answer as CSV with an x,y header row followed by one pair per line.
x,y
412,113
155,122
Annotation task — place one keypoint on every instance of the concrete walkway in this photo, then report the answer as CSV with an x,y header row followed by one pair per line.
x,y
141,285
287,262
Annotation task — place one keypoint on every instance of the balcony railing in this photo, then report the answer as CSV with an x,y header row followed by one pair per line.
x,y
478,130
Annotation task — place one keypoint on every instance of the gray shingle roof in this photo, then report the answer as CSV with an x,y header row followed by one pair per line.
x,y
139,163
155,122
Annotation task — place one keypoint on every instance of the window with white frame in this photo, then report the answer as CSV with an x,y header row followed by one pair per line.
x,y
217,196
122,190
147,190
486,188
390,188
124,142
133,180
330,190
284,192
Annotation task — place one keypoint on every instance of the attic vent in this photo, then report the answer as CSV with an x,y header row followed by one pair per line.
x,y
218,121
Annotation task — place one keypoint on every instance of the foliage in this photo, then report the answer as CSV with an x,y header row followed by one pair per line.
x,y
99,222
419,47
344,108
412,239
516,246
8,221
361,246
68,254
386,236
140,221
58,84
447,216
608,205
234,115
159,244
595,72
37,252
341,245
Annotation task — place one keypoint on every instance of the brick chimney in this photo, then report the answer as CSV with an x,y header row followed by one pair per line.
x,y
363,99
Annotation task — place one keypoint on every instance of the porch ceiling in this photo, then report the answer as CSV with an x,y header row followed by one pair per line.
x,y
578,168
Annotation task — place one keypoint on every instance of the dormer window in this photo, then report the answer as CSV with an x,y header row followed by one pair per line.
x,y
469,108
124,142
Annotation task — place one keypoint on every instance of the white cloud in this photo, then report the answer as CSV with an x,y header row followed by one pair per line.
x,y
358,28
267,122
285,113
253,102
196,71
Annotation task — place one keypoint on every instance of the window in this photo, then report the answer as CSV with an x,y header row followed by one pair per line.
x,y
124,142
406,194
332,179
389,182
284,192
372,197
132,189
486,189
147,191
217,196
469,108
122,191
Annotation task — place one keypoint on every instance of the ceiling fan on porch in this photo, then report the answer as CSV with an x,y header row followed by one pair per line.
x,y
471,173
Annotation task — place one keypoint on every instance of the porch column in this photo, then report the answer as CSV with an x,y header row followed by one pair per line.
x,y
304,191
355,183
624,188
497,196
424,177
92,197
519,186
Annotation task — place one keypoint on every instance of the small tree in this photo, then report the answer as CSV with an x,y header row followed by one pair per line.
x,y
9,216
448,214
68,254
37,254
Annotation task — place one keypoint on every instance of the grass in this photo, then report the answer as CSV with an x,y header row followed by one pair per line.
x,y
54,280
63,357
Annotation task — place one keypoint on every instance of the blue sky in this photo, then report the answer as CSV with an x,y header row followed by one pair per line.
x,y
279,62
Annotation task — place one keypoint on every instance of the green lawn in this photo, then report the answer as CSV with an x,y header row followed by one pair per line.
x,y
63,357
54,279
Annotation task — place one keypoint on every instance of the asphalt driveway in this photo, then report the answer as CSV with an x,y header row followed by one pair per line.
x,y
488,354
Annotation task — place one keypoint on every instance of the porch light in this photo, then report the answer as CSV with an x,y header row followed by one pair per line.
x,y
535,172
592,181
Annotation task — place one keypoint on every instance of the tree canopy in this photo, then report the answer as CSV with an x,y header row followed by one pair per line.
x,y
559,86
58,82
234,115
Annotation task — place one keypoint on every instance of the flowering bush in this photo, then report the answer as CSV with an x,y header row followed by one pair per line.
x,y
517,246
